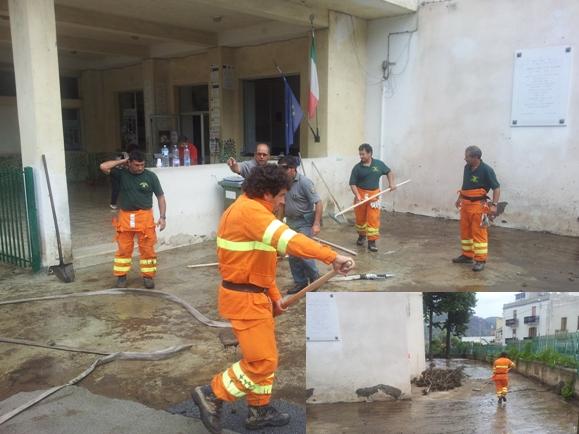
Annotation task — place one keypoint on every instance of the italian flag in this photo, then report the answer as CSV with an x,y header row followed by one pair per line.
x,y
314,86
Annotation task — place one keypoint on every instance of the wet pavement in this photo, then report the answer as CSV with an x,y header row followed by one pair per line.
x,y
472,408
132,323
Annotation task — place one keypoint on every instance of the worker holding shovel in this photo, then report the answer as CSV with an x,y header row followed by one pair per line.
x,y
365,182
501,369
249,238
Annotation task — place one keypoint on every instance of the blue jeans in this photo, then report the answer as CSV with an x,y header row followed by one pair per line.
x,y
303,270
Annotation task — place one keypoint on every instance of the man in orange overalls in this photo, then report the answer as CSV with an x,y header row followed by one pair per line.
x,y
501,369
365,182
135,217
472,201
249,238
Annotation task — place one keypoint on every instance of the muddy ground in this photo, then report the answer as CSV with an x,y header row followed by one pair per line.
x,y
416,249
472,408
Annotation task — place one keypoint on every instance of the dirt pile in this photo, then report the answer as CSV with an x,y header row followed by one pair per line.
x,y
434,379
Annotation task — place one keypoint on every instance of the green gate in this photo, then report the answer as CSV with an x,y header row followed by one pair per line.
x,y
19,237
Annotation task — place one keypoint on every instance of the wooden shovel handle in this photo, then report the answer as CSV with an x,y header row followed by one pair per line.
x,y
294,298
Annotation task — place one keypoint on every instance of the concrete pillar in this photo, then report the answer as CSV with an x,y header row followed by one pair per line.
x,y
33,30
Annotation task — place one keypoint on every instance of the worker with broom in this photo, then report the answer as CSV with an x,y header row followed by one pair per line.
x,y
501,369
475,210
249,238
365,182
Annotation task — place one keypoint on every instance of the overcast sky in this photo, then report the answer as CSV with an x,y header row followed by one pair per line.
x,y
491,303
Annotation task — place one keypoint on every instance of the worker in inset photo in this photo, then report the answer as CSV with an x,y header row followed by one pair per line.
x,y
501,369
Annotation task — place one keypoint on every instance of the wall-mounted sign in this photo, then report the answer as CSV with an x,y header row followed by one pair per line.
x,y
322,323
541,86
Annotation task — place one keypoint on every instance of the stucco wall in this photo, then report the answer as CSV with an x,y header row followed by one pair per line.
x,y
452,87
373,350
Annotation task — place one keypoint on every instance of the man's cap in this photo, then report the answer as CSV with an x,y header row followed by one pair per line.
x,y
289,161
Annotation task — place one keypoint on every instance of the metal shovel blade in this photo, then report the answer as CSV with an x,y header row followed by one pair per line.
x,y
64,272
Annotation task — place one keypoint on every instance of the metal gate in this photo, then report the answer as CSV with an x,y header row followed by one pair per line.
x,y
19,236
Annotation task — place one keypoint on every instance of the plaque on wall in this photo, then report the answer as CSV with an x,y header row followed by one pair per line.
x,y
322,323
541,86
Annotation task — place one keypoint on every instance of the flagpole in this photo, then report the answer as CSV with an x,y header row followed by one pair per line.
x,y
317,133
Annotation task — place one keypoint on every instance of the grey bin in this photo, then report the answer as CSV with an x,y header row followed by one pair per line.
x,y
231,188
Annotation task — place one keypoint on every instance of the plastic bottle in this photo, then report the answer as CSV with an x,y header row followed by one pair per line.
x,y
165,156
159,163
186,156
176,161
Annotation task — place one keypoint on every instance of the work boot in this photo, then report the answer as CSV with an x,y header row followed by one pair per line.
x,y
361,239
149,283
121,282
260,417
209,407
462,260
372,246
504,399
297,288
478,266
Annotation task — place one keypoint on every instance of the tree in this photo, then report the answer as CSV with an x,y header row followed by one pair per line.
x,y
459,307
430,306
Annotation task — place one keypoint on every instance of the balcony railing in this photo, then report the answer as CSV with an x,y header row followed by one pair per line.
x,y
531,319
512,322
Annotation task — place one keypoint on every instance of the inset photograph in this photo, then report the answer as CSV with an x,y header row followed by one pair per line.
x,y
453,362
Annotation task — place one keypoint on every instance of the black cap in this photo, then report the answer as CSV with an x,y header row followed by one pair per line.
x,y
288,161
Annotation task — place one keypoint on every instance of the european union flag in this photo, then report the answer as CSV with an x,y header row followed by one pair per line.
x,y
293,116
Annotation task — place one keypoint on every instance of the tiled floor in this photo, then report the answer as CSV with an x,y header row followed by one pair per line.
x,y
90,217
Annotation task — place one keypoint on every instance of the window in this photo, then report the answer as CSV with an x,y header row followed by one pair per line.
x,y
534,310
132,120
69,88
7,83
194,118
532,332
263,113
563,324
515,313
71,129
514,333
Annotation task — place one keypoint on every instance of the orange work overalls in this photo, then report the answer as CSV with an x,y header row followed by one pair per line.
x,y
368,215
501,369
142,224
474,235
248,241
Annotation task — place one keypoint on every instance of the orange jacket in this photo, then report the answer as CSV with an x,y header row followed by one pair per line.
x,y
501,367
249,239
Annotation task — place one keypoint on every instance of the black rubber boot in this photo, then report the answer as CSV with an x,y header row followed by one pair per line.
x,y
121,282
462,260
149,282
361,239
478,266
296,289
261,417
209,407
504,398
372,246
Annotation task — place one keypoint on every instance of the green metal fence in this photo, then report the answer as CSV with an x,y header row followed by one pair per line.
x,y
19,236
560,349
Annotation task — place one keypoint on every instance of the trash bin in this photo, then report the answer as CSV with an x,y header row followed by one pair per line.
x,y
232,188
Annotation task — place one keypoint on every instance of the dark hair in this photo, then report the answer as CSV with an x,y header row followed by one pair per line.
x,y
366,147
504,354
288,161
266,179
473,151
136,156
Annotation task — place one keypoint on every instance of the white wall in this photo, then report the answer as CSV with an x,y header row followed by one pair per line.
x,y
564,306
415,334
374,347
195,200
10,141
452,87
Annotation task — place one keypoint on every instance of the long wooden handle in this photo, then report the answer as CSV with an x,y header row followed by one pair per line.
x,y
211,264
336,246
294,298
327,187
370,198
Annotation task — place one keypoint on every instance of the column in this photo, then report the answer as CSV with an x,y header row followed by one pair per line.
x,y
33,30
